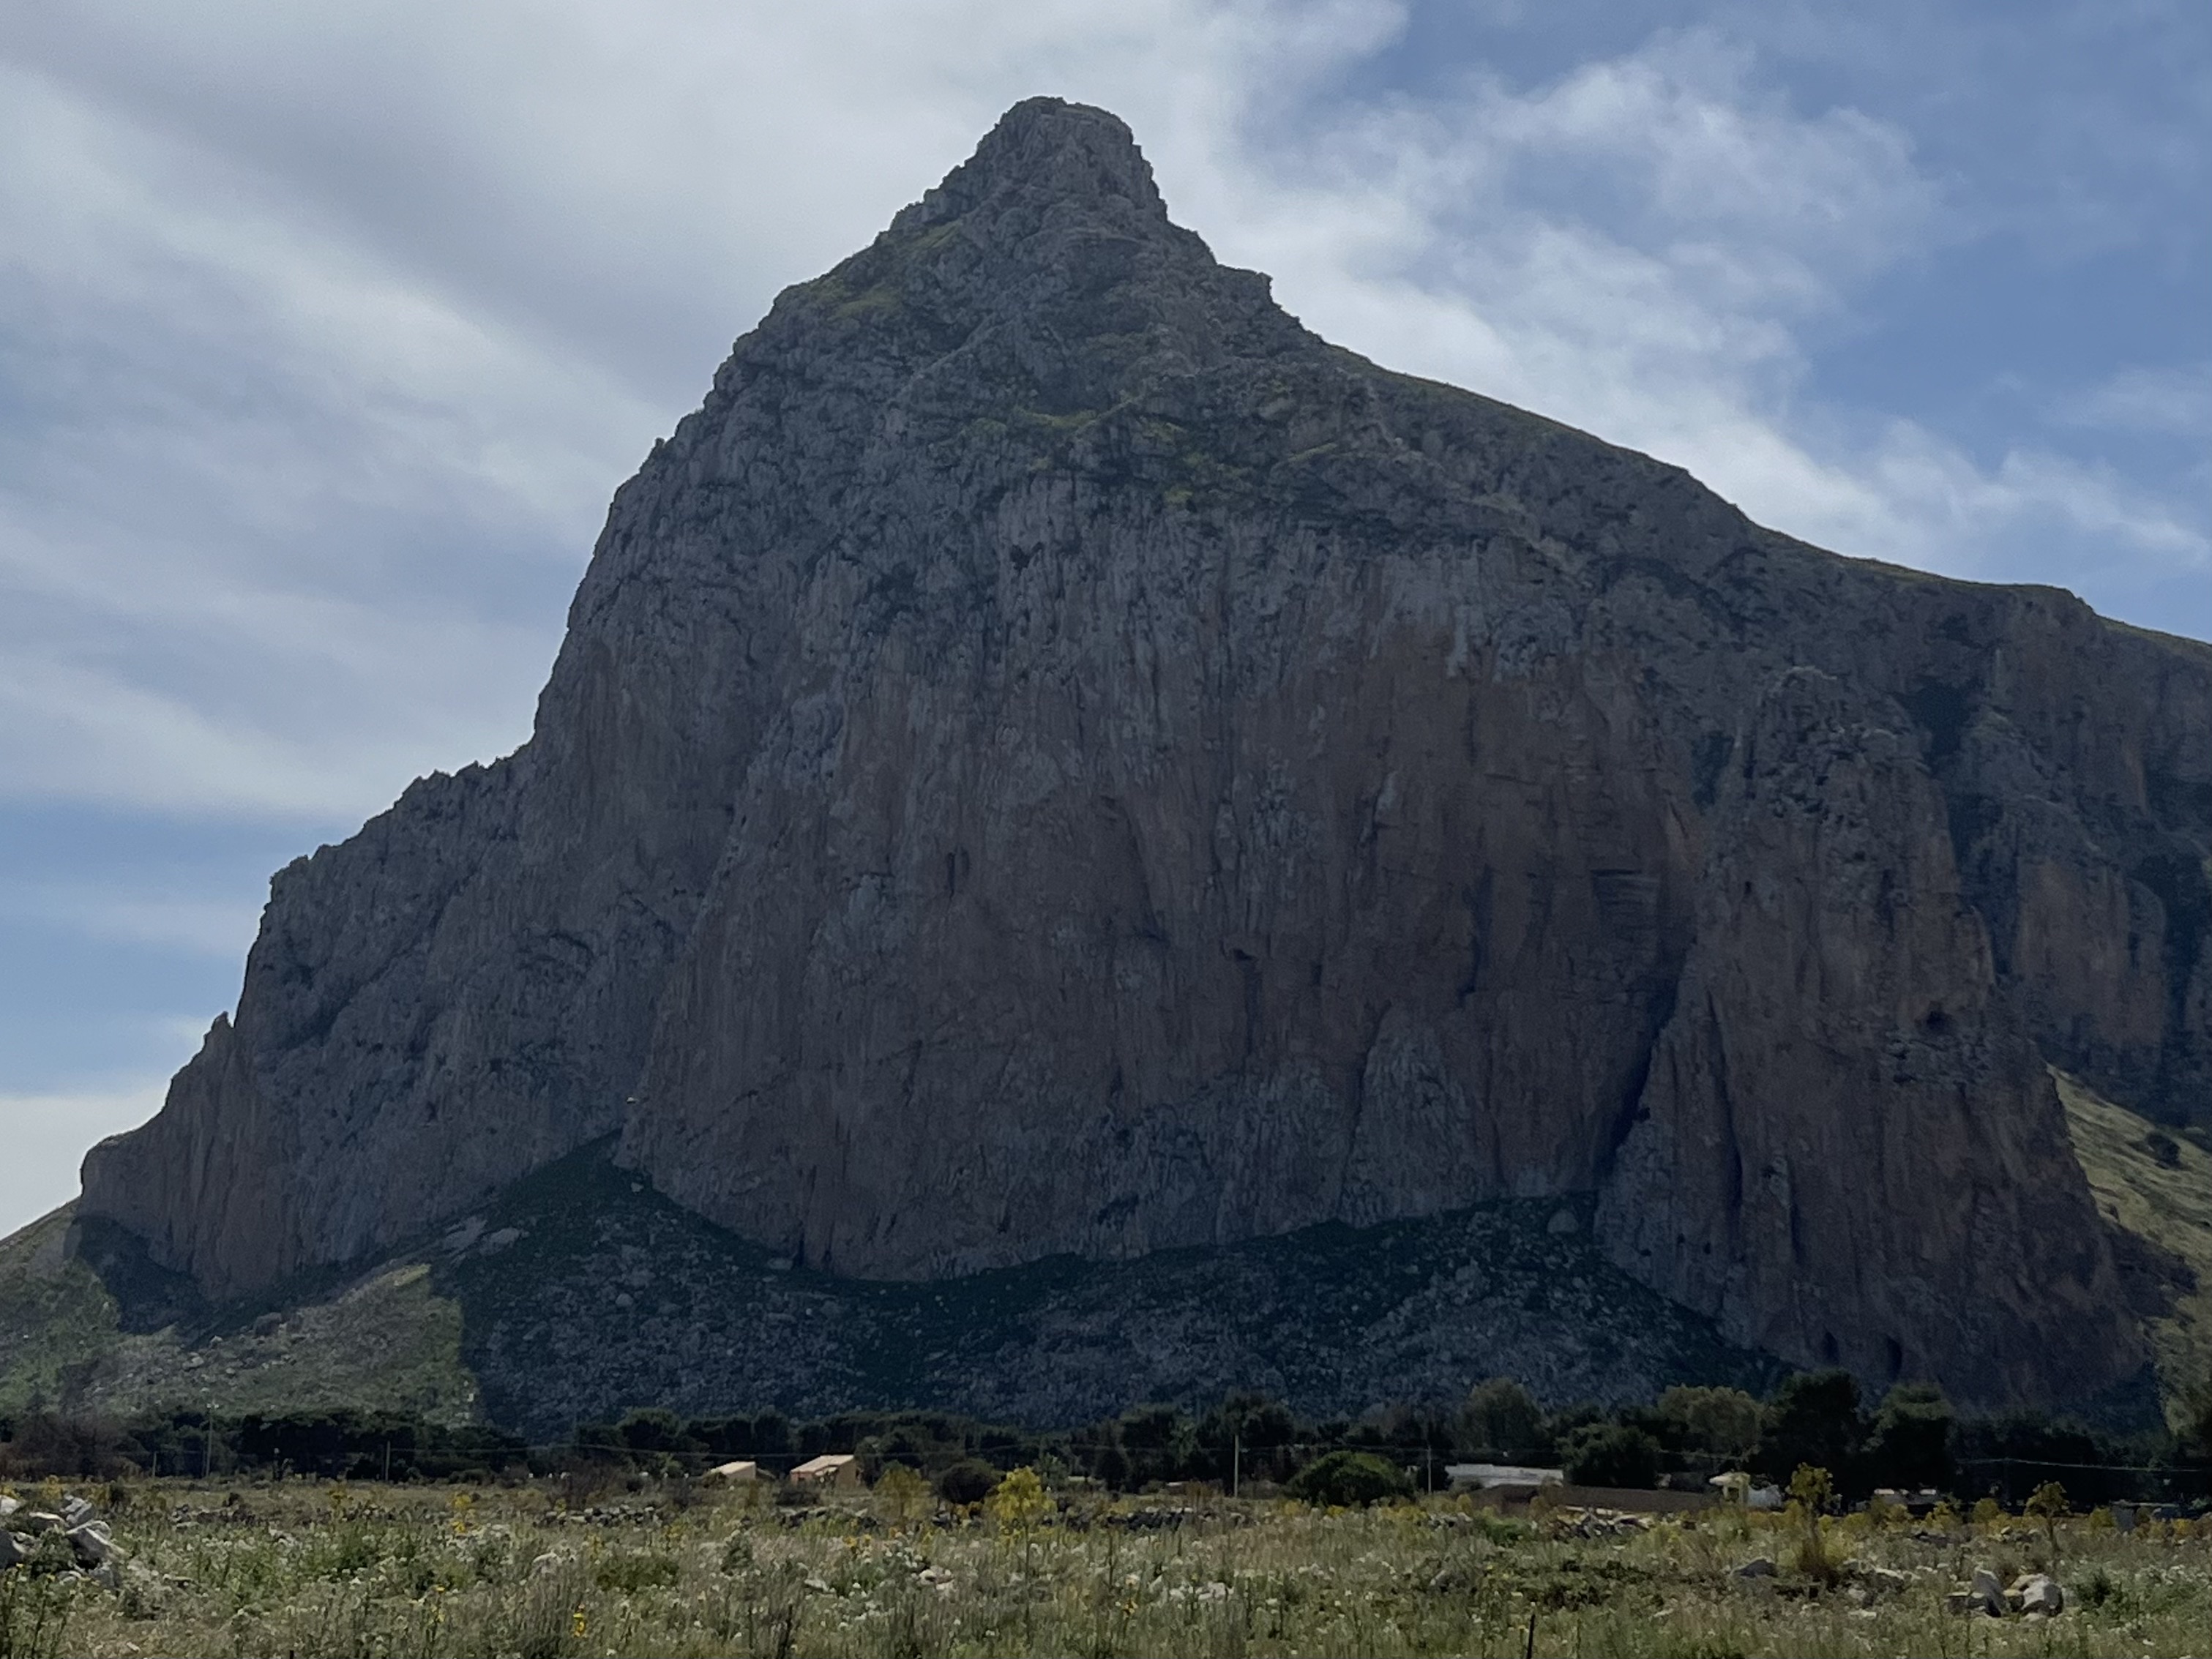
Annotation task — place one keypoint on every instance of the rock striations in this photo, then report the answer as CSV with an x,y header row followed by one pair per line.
x,y
1054,758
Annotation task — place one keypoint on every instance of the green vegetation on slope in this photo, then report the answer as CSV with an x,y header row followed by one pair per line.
x,y
2159,1186
56,1320
384,1340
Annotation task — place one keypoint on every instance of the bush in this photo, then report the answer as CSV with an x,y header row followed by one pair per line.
x,y
1347,1478
969,1481
1611,1455
633,1571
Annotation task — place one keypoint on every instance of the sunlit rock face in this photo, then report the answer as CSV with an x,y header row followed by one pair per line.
x,y
1053,756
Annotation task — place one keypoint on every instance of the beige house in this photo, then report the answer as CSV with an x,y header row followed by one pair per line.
x,y
744,1471
839,1471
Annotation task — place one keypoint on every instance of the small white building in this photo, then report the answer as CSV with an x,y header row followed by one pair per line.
x,y
1481,1477
839,1471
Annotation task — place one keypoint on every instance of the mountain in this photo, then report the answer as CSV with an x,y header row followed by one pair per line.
x,y
1052,758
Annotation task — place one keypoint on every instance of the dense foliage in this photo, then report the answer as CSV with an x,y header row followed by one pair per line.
x,y
1910,1439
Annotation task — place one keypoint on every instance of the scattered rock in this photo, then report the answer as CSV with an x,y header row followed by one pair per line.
x,y
2041,1594
1758,1567
75,1510
36,1520
1875,1580
9,1506
1986,1595
14,1552
93,1545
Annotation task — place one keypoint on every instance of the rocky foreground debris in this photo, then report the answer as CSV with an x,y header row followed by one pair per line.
x,y
70,1538
2032,1594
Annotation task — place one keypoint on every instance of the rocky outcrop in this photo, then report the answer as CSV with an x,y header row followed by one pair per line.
x,y
1848,1147
1055,757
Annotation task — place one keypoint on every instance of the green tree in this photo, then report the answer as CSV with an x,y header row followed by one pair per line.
x,y
1018,1503
1502,1418
1810,1489
1611,1454
1909,1443
1721,1422
1814,1418
902,1496
1347,1479
2046,1503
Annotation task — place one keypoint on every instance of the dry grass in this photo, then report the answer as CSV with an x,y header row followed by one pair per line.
x,y
297,1568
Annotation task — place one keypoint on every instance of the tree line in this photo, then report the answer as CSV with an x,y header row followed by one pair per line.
x,y
1910,1439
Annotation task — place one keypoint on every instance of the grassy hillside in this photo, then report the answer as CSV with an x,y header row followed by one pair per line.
x,y
56,1320
2157,1186
384,1339
581,1293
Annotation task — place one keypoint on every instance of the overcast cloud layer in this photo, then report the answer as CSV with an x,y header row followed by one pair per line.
x,y
327,332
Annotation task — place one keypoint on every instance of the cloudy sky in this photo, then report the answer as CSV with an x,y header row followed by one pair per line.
x,y
325,332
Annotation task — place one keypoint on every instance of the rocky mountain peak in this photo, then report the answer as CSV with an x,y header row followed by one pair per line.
x,y
1052,758
1046,153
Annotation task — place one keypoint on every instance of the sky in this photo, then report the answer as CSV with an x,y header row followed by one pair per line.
x,y
327,332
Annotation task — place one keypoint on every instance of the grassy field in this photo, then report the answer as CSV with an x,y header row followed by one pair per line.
x,y
547,1569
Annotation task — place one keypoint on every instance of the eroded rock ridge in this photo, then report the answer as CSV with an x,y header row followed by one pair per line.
x,y
1053,756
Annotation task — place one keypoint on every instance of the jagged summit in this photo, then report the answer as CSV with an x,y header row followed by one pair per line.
x,y
1043,275
1049,155
1054,758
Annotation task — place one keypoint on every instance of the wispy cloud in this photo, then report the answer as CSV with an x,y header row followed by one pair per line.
x,y
325,332
2176,401
47,1136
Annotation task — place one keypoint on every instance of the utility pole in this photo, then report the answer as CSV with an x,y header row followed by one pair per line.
x,y
1235,1459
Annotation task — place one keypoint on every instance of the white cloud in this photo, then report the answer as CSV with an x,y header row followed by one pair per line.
x,y
2176,401
332,328
47,1136
168,921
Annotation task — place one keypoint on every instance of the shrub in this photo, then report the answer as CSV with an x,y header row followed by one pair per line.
x,y
902,1496
970,1480
2046,1505
635,1569
1018,1502
1611,1455
1347,1479
1810,1489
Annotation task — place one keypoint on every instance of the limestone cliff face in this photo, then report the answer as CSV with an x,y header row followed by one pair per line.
x,y
1053,756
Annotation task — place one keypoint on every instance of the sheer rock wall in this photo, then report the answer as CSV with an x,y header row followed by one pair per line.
x,y
1054,756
